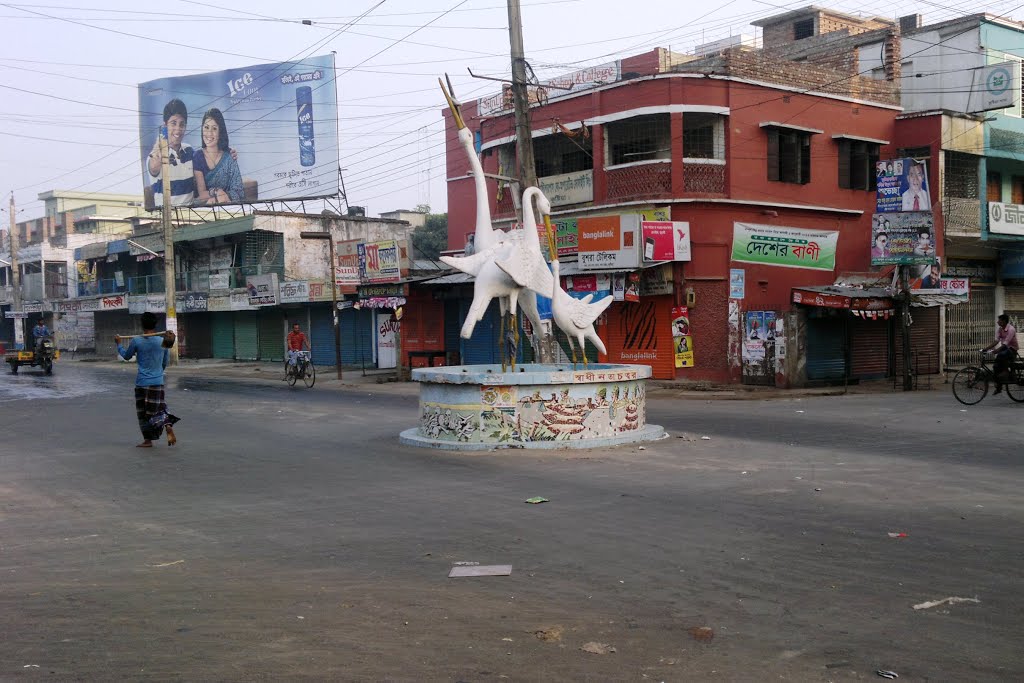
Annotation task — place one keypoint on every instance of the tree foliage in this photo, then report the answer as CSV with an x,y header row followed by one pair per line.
x,y
431,238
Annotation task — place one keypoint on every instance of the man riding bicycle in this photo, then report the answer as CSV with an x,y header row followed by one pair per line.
x,y
297,343
1006,348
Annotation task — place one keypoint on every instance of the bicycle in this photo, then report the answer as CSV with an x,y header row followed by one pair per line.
x,y
970,385
303,369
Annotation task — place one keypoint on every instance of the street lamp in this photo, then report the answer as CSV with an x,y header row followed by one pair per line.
x,y
309,235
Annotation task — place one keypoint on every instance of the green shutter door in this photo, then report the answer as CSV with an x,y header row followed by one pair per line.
x,y
272,333
247,335
222,332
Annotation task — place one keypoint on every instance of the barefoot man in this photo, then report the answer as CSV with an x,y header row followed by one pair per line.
x,y
149,383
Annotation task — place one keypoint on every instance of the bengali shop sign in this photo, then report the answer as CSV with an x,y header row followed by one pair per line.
x,y
786,247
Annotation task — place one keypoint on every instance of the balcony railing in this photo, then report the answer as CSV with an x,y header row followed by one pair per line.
x,y
961,216
640,181
100,287
7,294
146,284
56,290
703,178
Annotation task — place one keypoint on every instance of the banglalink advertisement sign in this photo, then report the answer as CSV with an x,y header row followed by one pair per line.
x,y
256,133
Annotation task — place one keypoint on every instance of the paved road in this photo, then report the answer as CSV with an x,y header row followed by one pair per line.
x,y
289,536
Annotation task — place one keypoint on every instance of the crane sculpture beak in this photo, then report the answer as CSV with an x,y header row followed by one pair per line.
x,y
552,252
453,104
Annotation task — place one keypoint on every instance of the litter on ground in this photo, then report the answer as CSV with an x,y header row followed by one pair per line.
x,y
945,601
536,500
481,570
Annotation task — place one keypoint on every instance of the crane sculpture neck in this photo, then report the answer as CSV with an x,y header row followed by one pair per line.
x,y
485,235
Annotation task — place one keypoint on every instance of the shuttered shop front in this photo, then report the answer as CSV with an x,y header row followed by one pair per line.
x,y
641,333
970,327
1013,306
196,335
924,342
826,344
869,347
356,336
222,334
482,347
271,324
109,323
247,335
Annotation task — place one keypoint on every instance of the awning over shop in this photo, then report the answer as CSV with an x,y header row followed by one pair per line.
x,y
91,251
850,298
204,231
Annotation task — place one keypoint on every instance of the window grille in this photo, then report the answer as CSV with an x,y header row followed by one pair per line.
x,y
857,159
642,138
557,154
803,29
961,175
789,155
703,136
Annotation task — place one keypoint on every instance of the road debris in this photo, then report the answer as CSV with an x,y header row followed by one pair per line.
x,y
166,564
536,500
702,634
705,438
898,534
481,570
887,674
597,648
946,601
466,564
550,635
642,448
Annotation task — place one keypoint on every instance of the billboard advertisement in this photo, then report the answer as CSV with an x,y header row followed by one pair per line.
x,y
609,242
902,186
256,133
902,238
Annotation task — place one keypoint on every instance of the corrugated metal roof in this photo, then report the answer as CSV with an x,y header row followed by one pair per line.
x,y
91,251
204,231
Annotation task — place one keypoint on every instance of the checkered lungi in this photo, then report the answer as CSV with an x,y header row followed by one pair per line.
x,y
152,411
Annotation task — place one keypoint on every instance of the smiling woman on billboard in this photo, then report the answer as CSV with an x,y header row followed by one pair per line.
x,y
218,180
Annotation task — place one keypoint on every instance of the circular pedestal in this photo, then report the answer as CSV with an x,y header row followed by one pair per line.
x,y
479,407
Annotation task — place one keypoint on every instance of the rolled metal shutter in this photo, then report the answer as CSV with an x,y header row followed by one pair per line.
x,y
196,334
869,347
222,334
271,326
826,347
924,342
247,335
641,333
482,347
107,324
452,328
321,335
1013,306
357,337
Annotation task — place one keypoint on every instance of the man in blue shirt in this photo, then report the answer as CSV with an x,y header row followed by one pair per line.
x,y
39,333
153,354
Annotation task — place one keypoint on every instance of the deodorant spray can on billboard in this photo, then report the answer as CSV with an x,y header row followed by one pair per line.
x,y
304,107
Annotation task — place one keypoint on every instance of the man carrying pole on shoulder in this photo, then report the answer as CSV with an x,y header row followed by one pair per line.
x,y
153,355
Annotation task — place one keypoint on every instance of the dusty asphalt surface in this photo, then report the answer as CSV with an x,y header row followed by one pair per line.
x,y
290,537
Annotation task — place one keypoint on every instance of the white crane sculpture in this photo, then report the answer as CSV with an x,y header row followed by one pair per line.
x,y
490,244
576,317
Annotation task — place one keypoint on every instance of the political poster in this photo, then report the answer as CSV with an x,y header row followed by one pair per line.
x,y
902,238
902,185
256,133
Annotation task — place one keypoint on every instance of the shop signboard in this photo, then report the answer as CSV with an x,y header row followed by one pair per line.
x,y
902,185
772,245
294,291
568,188
903,238
1005,219
666,241
262,289
193,302
608,242
379,262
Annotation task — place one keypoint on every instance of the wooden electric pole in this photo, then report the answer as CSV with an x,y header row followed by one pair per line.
x,y
521,98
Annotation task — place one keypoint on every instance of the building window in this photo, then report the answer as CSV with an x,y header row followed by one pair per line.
x,y
789,155
961,175
857,159
994,187
642,138
561,153
803,29
1017,189
703,136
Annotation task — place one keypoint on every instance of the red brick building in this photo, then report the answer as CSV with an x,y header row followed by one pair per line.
x,y
733,143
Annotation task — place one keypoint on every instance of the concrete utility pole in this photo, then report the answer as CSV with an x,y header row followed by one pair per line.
x,y
172,315
327,235
19,323
908,379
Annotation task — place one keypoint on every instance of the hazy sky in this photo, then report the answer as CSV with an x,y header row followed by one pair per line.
x,y
69,72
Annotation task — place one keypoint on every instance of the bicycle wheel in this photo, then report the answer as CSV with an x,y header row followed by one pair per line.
x,y
970,385
1015,387
310,377
293,375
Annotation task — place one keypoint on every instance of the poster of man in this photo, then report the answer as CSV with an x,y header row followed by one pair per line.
x,y
903,238
902,186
